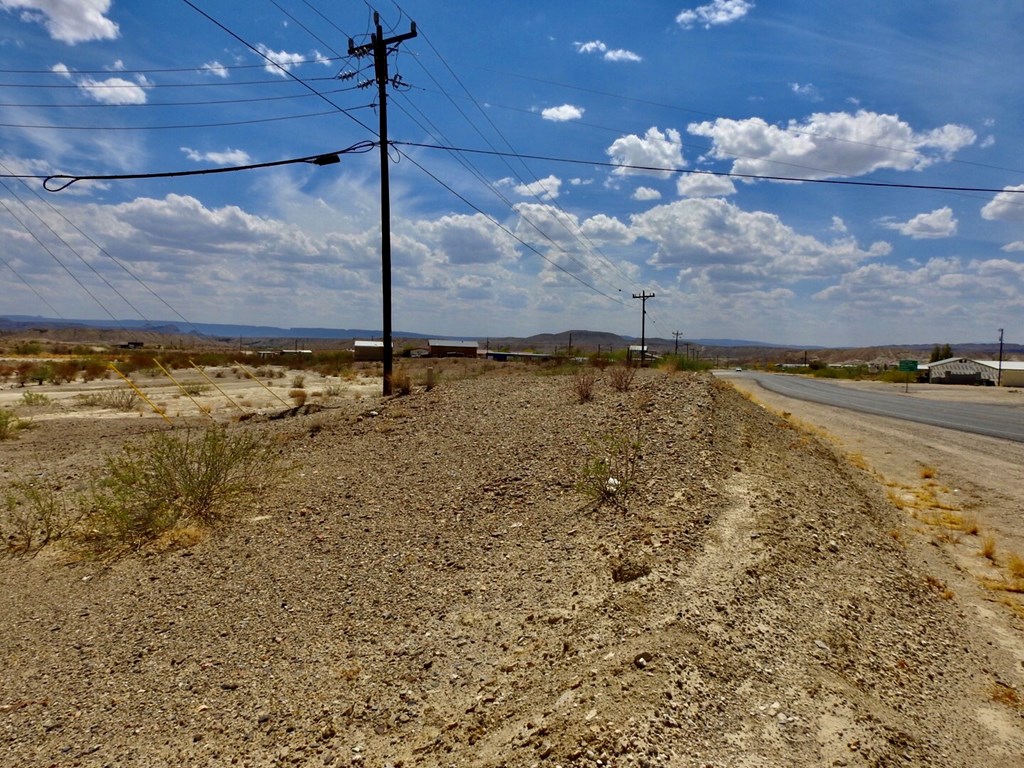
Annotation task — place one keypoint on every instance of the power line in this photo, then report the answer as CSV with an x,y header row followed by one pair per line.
x,y
211,102
509,232
149,86
183,126
327,158
563,218
203,69
106,253
728,174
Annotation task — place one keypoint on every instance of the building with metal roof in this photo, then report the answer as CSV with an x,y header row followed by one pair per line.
x,y
961,370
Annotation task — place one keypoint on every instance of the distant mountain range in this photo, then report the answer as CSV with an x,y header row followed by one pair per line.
x,y
229,332
260,336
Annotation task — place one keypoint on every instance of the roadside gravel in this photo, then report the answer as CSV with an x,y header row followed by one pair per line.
x,y
428,586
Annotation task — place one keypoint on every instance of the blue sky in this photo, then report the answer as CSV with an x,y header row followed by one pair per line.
x,y
557,232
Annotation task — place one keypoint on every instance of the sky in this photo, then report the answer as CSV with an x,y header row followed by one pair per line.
x,y
548,162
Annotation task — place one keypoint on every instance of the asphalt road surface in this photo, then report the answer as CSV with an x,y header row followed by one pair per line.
x,y
1005,422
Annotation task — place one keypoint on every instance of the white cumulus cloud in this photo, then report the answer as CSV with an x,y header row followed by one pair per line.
x,y
714,13
621,54
613,54
646,193
653,150
829,145
562,113
281,62
594,46
927,226
547,188
112,90
227,157
214,68
1014,247
1008,205
704,185
719,239
69,21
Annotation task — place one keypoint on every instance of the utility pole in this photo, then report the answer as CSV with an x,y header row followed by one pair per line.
x,y
378,46
677,334
999,376
643,296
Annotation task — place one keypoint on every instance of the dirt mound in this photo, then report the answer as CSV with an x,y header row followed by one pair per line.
x,y
430,587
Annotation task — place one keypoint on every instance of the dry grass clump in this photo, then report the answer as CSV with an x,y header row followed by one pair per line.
x,y
172,480
612,471
34,514
298,396
401,382
1015,565
34,399
583,381
10,424
988,548
114,399
621,377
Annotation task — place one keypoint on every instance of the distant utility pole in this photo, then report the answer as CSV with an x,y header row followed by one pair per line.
x,y
378,46
643,296
999,376
677,334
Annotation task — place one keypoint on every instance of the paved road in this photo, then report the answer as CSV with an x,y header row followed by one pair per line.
x,y
1001,421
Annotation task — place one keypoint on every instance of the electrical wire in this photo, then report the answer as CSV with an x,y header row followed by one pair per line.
x,y
727,174
183,126
67,245
325,158
509,232
211,102
56,211
61,263
286,72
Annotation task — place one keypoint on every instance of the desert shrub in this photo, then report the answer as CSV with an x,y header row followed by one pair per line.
x,y
401,383
610,473
195,389
32,399
65,371
583,382
114,399
93,368
41,373
298,396
173,479
298,382
621,377
28,348
10,424
34,515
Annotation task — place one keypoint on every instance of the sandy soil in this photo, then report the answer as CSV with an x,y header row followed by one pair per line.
x,y
428,585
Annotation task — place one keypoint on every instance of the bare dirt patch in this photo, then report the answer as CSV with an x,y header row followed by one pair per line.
x,y
429,586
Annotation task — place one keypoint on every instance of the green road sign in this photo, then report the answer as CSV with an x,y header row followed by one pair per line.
x,y
908,365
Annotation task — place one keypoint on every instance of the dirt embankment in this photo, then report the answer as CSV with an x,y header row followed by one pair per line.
x,y
428,587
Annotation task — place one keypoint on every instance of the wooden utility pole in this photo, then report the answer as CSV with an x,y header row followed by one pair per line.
x,y
643,296
378,46
677,334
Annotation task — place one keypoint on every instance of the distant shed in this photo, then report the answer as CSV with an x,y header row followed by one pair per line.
x,y
1009,373
366,351
961,370
449,348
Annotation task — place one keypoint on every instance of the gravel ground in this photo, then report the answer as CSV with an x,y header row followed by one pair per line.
x,y
427,586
